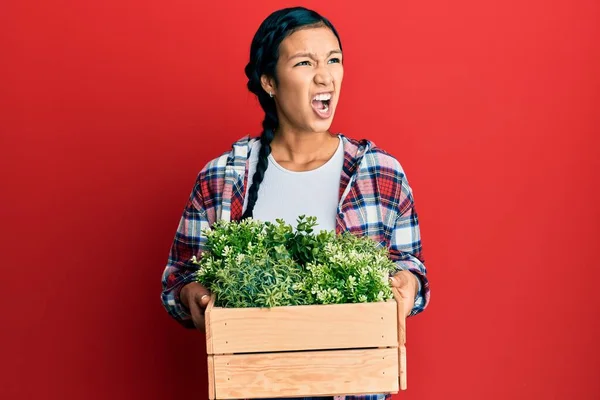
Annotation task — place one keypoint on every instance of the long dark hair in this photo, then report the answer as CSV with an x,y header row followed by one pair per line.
x,y
264,53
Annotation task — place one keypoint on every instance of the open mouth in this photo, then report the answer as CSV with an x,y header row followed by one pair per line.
x,y
320,104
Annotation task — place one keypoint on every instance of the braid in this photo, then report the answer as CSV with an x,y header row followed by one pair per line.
x,y
264,53
269,125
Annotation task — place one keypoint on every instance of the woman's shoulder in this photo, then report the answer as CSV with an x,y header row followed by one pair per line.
x,y
210,180
386,159
235,156
370,155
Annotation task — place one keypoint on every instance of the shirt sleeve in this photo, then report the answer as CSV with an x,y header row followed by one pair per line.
x,y
189,241
405,246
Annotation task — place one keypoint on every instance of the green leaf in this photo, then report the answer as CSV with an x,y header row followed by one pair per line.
x,y
264,264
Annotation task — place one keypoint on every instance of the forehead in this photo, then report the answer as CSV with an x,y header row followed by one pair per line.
x,y
319,40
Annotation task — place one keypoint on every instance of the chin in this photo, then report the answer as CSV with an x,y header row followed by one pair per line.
x,y
322,125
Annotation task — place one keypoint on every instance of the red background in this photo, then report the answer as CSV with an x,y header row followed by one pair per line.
x,y
108,109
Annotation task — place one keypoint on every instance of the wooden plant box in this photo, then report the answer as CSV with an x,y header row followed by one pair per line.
x,y
295,351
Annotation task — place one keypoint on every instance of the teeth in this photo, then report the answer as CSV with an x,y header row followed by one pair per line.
x,y
322,96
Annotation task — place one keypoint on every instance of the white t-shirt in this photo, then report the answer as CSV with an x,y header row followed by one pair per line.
x,y
285,194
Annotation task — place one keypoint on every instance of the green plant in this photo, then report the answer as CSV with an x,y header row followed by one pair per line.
x,y
263,264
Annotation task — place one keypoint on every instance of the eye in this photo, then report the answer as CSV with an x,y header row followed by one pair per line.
x,y
335,60
302,63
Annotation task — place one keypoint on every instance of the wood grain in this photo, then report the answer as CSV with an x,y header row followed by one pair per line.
x,y
401,339
401,320
403,377
335,326
312,373
211,377
207,312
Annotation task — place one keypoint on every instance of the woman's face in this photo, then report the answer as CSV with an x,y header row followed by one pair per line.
x,y
309,74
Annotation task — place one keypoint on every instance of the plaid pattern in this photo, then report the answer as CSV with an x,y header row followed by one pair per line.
x,y
375,200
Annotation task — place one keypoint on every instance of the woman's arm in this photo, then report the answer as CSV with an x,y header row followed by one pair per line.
x,y
189,241
406,251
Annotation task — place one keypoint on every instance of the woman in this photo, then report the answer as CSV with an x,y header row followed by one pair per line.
x,y
298,167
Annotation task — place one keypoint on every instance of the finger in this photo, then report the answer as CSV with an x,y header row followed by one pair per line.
x,y
204,300
197,316
202,296
399,280
194,310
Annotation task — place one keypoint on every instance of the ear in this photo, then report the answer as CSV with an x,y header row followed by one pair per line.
x,y
268,84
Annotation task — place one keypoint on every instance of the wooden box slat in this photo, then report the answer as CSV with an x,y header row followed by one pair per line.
x,y
211,377
402,367
306,351
334,326
315,373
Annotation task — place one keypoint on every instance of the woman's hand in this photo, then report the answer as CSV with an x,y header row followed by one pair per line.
x,y
196,298
407,284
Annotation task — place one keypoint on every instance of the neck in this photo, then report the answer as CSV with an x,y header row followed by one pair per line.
x,y
302,147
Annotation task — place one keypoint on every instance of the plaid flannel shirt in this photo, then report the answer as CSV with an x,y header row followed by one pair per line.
x,y
375,200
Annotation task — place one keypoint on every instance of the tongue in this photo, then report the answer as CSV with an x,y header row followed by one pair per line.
x,y
318,104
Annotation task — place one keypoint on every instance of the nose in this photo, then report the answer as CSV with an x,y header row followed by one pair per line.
x,y
323,77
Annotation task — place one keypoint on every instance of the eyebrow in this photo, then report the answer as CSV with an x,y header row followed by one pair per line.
x,y
312,55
